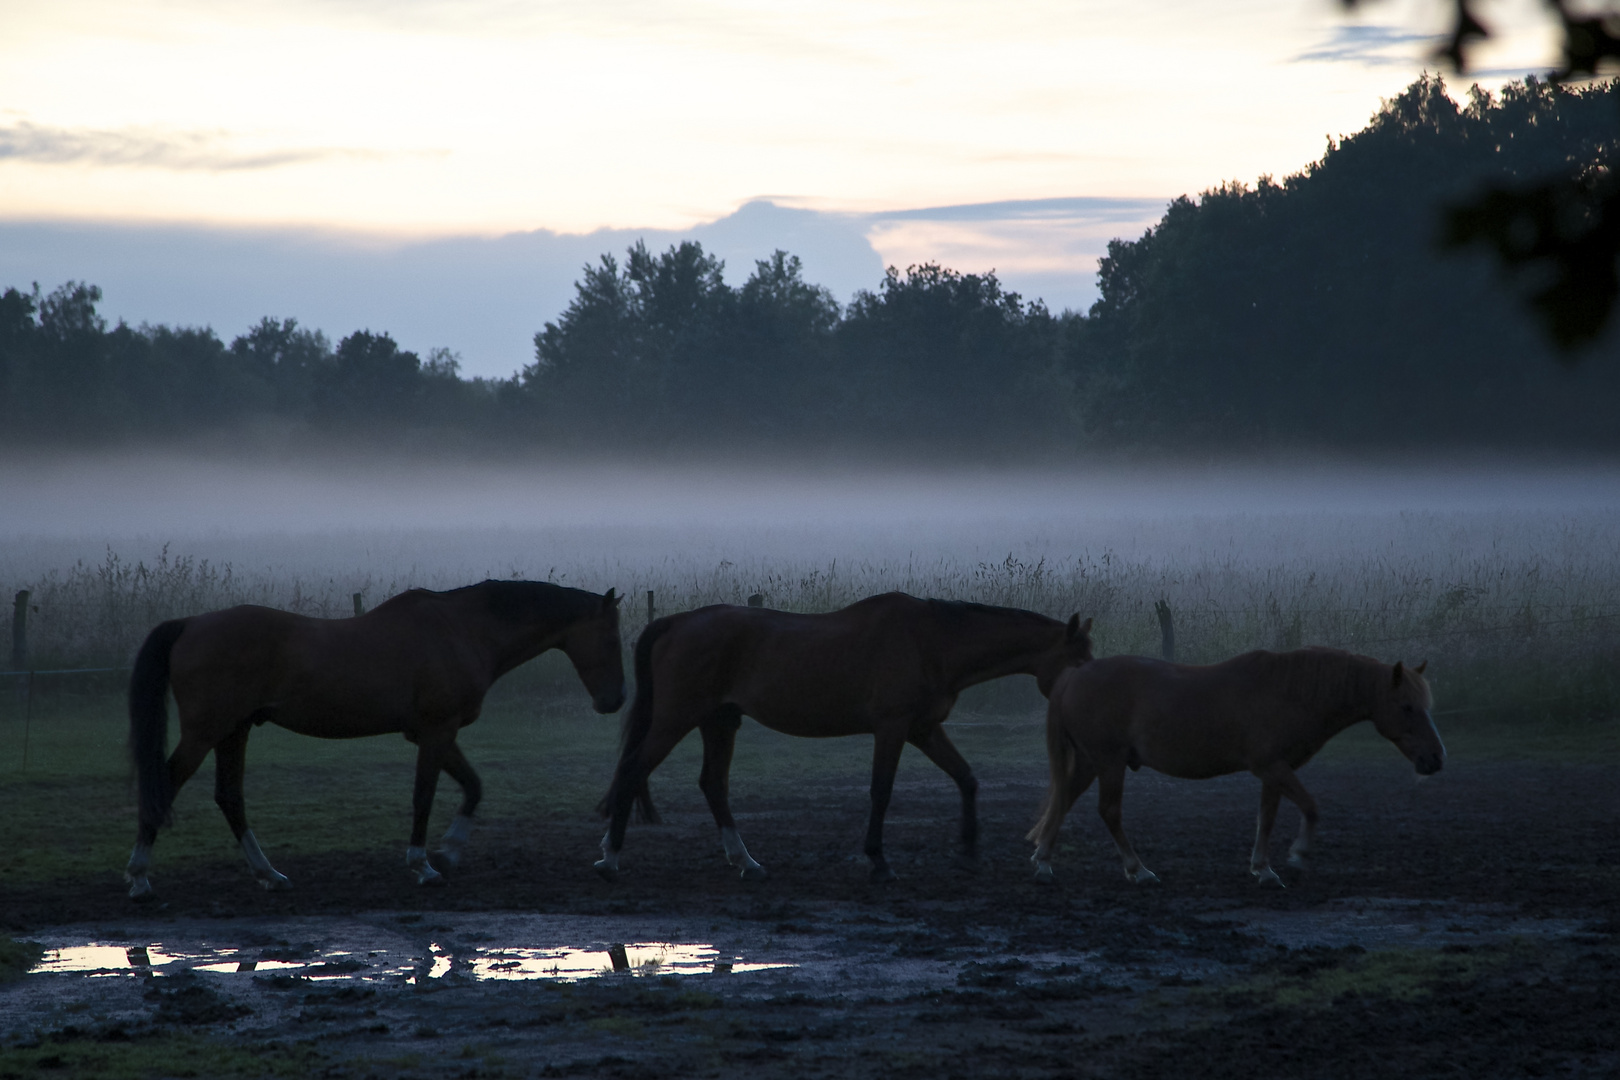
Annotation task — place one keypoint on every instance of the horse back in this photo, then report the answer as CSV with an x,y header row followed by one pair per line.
x,y
343,677
805,674
1190,721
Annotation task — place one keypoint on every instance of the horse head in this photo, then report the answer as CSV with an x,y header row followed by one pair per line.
x,y
1073,650
1402,717
592,645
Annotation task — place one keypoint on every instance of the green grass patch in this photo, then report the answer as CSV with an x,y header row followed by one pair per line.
x,y
157,1055
541,758
16,957
73,809
1316,978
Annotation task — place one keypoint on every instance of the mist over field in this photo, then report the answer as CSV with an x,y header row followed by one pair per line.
x,y
1500,572
443,524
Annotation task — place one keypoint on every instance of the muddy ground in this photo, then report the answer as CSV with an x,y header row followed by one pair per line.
x,y
1461,926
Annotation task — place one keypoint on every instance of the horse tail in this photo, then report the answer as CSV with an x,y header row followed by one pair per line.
x,y
149,724
637,722
1062,758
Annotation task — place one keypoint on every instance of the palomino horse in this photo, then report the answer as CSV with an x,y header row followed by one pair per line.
x,y
1264,712
890,666
419,664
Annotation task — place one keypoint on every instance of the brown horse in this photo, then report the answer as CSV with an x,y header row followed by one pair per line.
x,y
890,666
1264,712
419,664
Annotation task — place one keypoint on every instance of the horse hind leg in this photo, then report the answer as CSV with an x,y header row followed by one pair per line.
x,y
1076,785
187,756
719,740
230,762
634,768
1110,794
453,845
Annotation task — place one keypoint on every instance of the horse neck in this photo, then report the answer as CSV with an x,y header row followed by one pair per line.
x,y
511,644
990,644
1357,702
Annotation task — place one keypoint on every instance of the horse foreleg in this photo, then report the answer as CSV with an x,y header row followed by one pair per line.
x,y
885,763
428,764
185,760
1287,783
1260,861
1110,794
719,740
942,752
454,843
230,762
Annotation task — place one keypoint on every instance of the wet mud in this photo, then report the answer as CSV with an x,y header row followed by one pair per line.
x,y
1462,926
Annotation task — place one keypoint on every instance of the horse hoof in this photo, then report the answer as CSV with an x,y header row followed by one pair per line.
x,y
608,871
1144,876
140,889
1299,862
881,875
1268,876
275,883
754,873
1044,876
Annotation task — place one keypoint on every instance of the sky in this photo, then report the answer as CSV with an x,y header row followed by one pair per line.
x,y
359,163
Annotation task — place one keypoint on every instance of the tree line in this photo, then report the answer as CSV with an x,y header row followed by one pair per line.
x,y
1315,310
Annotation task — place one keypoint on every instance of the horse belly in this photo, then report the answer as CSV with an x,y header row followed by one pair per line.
x,y
325,723
813,719
1187,757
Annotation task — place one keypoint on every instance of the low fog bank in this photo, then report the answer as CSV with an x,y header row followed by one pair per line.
x,y
1506,576
446,525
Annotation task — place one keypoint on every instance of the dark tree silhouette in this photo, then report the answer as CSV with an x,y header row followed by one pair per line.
x,y
1559,234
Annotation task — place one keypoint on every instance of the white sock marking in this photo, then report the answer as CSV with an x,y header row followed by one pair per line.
x,y
736,854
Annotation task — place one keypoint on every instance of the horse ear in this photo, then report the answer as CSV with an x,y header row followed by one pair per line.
x,y
1076,627
1421,667
611,599
1400,672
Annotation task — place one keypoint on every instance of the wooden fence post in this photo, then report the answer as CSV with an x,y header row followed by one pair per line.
x,y
649,607
359,604
1167,630
19,630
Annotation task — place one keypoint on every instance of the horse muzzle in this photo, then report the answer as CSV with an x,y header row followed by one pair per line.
x,y
1429,764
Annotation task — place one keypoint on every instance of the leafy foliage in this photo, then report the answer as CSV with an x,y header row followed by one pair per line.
x,y
1315,310
1561,232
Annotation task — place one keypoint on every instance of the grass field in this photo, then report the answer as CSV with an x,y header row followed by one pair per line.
x,y
1518,614
542,759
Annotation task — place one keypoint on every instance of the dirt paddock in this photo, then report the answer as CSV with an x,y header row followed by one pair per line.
x,y
1461,926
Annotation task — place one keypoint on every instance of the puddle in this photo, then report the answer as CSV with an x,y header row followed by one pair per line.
x,y
643,958
565,963
102,960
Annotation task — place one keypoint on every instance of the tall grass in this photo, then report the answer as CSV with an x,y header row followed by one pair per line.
x,y
1503,625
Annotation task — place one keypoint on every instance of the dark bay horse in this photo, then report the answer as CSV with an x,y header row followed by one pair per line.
x,y
1264,712
890,666
418,664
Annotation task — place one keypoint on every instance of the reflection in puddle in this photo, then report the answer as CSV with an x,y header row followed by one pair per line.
x,y
645,958
563,963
